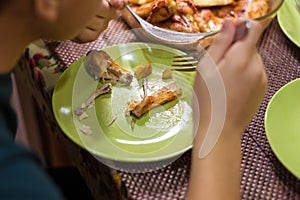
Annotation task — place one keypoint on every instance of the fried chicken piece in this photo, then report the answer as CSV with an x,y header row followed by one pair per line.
x,y
143,70
162,96
99,64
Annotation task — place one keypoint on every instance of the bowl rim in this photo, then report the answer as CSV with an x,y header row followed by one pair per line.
x,y
203,34
183,40
271,12
168,31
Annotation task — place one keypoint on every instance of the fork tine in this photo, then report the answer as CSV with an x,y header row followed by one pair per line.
x,y
184,65
184,69
189,59
192,53
185,59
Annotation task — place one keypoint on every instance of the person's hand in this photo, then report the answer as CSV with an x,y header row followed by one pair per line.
x,y
235,69
241,70
107,11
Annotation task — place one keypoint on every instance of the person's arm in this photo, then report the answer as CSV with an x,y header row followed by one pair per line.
x,y
99,23
22,176
217,176
21,173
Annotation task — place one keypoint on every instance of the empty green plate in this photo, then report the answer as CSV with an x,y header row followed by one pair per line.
x,y
288,19
282,124
163,133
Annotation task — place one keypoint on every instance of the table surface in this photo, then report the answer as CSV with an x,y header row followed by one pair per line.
x,y
263,176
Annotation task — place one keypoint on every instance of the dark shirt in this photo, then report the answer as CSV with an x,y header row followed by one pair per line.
x,y
21,175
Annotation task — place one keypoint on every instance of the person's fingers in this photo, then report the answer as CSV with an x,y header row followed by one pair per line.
x,y
254,32
97,23
89,35
118,4
246,46
106,10
222,41
241,30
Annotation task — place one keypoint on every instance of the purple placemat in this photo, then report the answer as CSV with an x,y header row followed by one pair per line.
x,y
263,176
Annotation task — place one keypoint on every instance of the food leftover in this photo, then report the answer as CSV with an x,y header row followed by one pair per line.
x,y
143,70
100,65
162,96
195,16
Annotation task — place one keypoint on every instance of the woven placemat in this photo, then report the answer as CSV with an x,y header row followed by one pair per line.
x,y
263,176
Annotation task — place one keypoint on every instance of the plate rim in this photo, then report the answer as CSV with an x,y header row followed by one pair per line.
x,y
280,157
103,155
282,22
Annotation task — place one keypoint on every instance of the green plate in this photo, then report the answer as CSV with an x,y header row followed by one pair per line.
x,y
283,127
163,133
288,19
